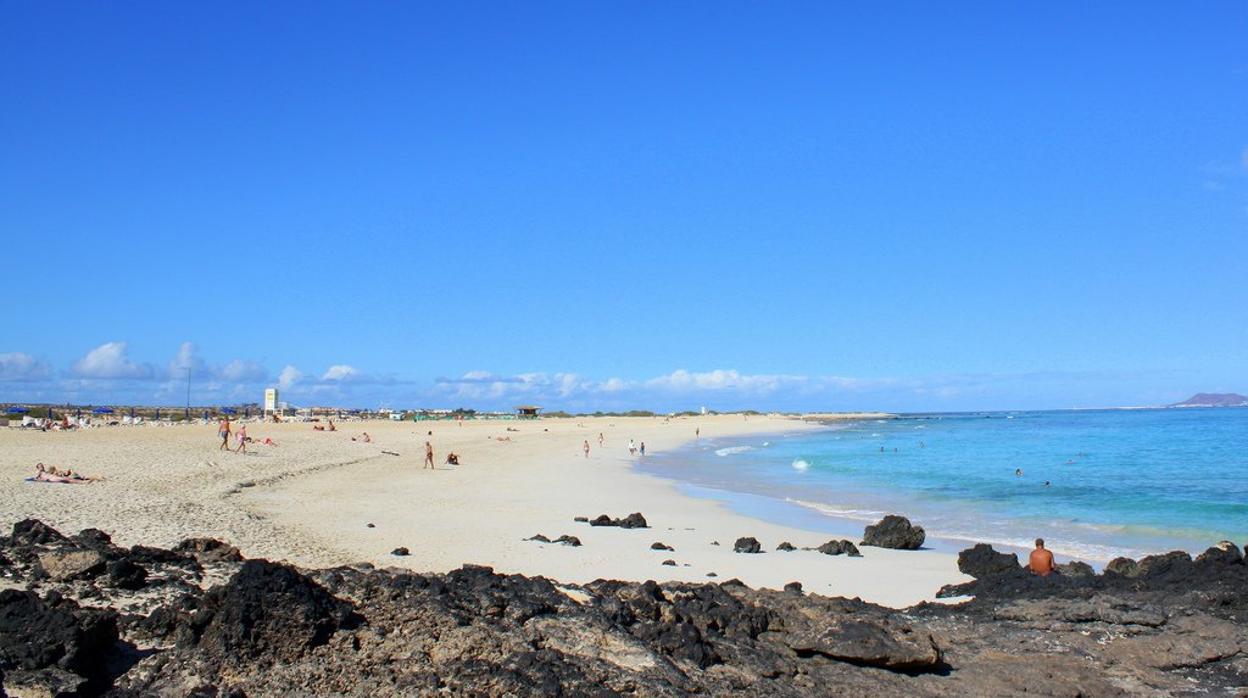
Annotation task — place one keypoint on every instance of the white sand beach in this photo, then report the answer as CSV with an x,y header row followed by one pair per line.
x,y
309,500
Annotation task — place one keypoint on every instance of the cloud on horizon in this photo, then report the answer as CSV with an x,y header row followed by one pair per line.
x,y
107,375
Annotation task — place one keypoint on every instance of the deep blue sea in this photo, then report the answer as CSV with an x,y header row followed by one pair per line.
x,y
1119,482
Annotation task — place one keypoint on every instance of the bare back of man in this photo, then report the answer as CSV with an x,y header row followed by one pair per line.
x,y
1041,560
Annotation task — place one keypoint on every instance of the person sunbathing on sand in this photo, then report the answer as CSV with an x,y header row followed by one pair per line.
x,y
51,474
1041,562
364,438
452,458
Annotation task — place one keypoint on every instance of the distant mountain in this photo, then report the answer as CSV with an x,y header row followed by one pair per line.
x,y
1214,400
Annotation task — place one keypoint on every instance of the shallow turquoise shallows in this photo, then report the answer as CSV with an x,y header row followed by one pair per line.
x,y
1095,484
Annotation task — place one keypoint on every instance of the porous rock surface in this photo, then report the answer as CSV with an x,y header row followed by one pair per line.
x,y
207,625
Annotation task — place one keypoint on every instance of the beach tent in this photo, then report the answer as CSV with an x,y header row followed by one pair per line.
x,y
17,410
102,410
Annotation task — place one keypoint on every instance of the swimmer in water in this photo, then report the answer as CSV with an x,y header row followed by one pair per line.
x,y
1018,472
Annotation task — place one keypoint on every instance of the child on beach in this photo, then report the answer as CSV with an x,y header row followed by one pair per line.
x,y
242,439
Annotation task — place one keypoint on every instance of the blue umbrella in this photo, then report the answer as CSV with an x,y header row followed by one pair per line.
x,y
17,410
229,410
158,414
102,410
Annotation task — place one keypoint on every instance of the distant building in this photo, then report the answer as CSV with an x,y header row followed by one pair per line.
x,y
270,400
527,411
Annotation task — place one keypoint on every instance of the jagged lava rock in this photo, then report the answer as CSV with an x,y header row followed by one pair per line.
x,y
981,560
266,610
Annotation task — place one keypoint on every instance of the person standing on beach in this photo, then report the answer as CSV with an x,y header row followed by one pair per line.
x,y
1041,561
643,448
429,456
697,433
242,439
224,432
632,447
586,448
601,440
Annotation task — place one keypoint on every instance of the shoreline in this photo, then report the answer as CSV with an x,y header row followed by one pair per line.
x,y
308,501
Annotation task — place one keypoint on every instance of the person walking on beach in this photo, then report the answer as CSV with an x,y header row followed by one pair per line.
x,y
1041,561
586,448
428,456
242,439
643,448
601,440
223,430
632,447
697,433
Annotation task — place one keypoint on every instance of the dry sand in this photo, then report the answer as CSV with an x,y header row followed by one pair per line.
x,y
309,499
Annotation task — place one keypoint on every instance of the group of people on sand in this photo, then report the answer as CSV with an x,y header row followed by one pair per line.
x,y
50,473
241,438
331,427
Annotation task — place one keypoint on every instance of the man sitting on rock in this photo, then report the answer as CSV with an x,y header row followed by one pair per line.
x,y
1041,561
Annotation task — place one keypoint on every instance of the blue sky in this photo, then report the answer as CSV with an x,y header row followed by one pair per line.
x,y
591,205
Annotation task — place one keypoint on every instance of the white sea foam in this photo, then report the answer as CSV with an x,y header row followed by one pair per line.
x,y
766,443
732,449
800,465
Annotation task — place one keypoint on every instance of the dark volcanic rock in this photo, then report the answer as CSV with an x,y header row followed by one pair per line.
x,y
568,540
1225,553
748,544
277,630
124,574
33,532
539,538
581,519
634,520
669,563
266,610
786,547
660,546
839,547
1075,568
36,636
982,561
402,551
1123,566
209,550
1175,564
894,532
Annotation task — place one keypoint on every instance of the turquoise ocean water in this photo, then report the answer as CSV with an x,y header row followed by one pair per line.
x,y
1121,482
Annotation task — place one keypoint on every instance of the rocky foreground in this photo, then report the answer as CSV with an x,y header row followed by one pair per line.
x,y
81,616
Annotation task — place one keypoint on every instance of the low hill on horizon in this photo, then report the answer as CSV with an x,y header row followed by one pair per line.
x,y
1214,400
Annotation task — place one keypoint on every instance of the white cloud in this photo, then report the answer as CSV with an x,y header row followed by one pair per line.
x,y
341,372
16,366
288,377
109,360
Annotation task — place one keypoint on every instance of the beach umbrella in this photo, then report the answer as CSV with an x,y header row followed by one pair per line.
x,y
229,410
17,410
102,410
